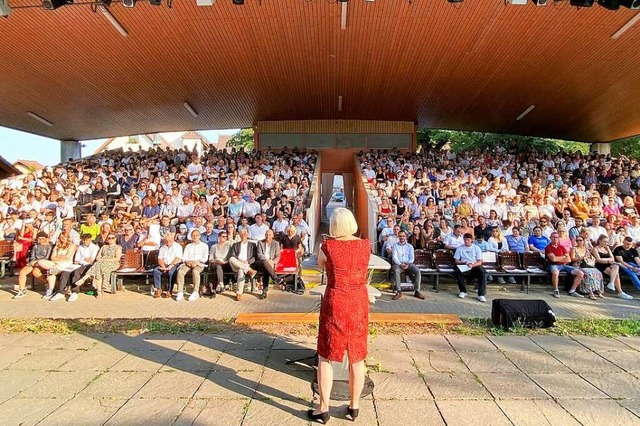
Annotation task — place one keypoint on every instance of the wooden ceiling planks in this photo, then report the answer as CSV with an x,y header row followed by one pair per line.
x,y
473,66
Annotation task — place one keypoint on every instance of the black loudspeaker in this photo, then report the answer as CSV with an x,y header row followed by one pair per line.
x,y
238,2
53,4
610,4
506,313
631,4
582,3
129,3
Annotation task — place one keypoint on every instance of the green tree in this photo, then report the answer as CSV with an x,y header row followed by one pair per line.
x,y
629,147
242,139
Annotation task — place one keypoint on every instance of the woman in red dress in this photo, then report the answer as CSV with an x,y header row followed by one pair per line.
x,y
344,314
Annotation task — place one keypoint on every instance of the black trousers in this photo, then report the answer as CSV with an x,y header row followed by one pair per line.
x,y
267,272
219,270
475,272
69,278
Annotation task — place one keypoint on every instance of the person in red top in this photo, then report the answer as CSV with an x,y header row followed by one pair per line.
x,y
557,261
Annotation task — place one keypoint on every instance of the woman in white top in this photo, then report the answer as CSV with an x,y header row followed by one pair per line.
x,y
498,243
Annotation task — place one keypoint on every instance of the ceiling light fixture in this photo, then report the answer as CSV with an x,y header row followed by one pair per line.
x,y
626,27
340,103
525,112
113,21
40,119
191,110
343,16
205,2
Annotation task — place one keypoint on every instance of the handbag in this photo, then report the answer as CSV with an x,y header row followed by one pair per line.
x,y
589,260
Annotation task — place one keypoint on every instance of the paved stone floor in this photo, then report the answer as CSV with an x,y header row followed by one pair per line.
x,y
138,303
242,379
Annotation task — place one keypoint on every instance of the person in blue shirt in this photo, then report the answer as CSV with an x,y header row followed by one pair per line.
x,y
402,255
468,259
538,242
516,241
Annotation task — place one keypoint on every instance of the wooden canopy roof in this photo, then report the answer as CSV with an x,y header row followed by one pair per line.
x,y
475,65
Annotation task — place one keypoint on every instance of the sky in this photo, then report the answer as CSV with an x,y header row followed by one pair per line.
x,y
16,145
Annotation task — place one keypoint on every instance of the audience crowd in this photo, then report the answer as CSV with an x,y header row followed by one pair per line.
x,y
74,222
579,212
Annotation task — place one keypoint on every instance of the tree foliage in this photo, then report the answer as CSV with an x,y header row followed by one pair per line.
x,y
629,147
242,139
459,141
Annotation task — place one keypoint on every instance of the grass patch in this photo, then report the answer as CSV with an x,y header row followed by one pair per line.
x,y
469,327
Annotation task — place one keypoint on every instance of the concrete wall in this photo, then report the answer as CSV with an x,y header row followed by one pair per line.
x,y
70,149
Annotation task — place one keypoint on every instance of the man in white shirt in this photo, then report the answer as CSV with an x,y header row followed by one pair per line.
x,y
403,263
633,229
455,239
195,169
251,208
595,230
281,224
468,259
258,230
169,258
194,259
83,259
243,256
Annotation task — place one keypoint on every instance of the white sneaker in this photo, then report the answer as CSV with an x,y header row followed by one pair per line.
x,y
482,298
48,295
611,287
462,295
512,280
58,296
575,294
625,296
193,296
153,291
500,280
73,297
179,296
20,294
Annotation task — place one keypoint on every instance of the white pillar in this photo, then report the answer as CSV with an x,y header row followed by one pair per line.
x,y
601,148
70,149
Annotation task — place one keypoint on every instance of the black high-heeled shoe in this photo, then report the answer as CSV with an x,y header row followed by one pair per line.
x,y
353,412
320,417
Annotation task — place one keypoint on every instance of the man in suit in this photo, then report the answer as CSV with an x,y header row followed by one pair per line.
x,y
268,257
243,256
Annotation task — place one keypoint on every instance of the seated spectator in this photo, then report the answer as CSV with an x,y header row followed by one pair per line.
x,y
592,282
90,226
403,259
194,259
497,243
606,263
242,259
628,260
268,257
61,258
107,261
468,259
538,242
169,258
456,239
292,240
219,261
258,230
557,260
83,259
41,250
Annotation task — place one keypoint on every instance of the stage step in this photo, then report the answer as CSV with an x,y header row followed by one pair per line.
x,y
374,317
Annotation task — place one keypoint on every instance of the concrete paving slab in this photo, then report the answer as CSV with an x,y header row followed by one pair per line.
x,y
367,415
94,360
511,386
171,385
471,343
142,411
558,343
12,354
74,412
487,362
566,386
285,386
38,340
632,405
440,361
387,343
218,342
604,412
46,359
126,342
165,341
117,384
15,381
212,412
601,344
242,360
27,411
60,384
277,359
421,342
515,344
583,362
251,341
455,386
391,361
616,385
229,385
408,386
627,360
632,342
536,362
143,361
536,413
276,412
407,413
472,413
294,342
200,361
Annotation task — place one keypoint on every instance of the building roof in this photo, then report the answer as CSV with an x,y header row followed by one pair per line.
x,y
6,169
29,164
474,65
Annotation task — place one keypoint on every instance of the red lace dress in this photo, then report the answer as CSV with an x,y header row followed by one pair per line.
x,y
344,314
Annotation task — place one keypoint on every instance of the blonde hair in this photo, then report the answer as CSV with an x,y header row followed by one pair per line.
x,y
342,223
